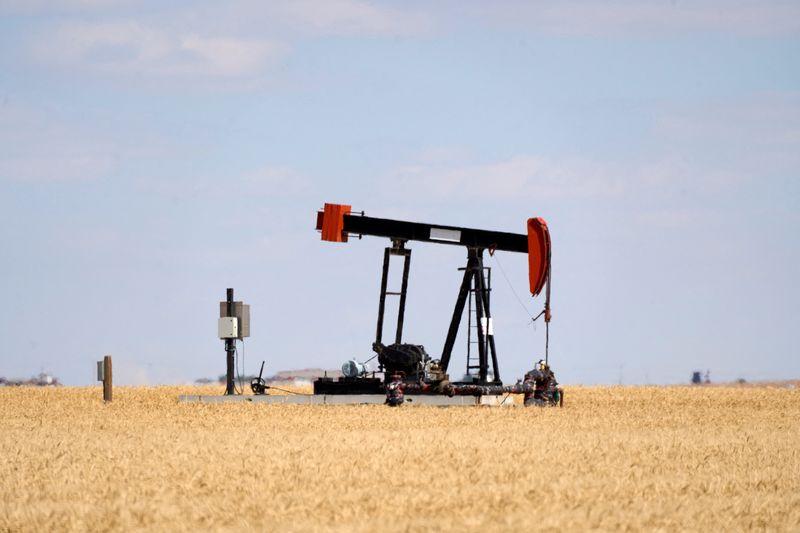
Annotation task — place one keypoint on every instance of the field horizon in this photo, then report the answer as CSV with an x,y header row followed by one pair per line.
x,y
621,457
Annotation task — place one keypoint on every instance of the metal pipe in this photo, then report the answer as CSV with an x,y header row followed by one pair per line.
x,y
382,301
481,317
538,388
230,348
492,350
403,291
455,321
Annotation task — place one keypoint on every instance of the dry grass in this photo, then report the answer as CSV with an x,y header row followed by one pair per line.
x,y
705,458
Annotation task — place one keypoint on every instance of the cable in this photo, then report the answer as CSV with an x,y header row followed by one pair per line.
x,y
514,292
236,368
239,373
242,376
545,311
288,391
547,343
240,390
505,398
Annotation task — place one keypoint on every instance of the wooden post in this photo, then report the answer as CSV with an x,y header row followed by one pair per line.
x,y
107,379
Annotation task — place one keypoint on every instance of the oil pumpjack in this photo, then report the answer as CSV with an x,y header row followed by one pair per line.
x,y
407,368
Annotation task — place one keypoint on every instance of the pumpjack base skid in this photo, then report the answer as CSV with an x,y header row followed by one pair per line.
x,y
349,386
354,399
368,385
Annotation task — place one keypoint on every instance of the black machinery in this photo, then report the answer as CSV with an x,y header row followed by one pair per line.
x,y
258,385
408,368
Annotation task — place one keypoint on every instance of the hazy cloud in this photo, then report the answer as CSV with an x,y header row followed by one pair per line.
x,y
50,7
353,17
702,148
649,194
131,47
673,218
515,177
267,181
36,147
278,181
371,18
771,119
628,17
55,167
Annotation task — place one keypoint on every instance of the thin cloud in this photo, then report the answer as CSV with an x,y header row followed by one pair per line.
x,y
650,194
675,218
37,147
352,17
515,177
616,17
764,120
386,19
738,138
278,181
268,181
130,47
52,168
280,17
51,7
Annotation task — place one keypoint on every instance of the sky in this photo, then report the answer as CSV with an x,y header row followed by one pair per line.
x,y
153,154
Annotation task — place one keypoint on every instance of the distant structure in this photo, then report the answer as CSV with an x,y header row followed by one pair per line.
x,y
304,374
284,376
41,380
698,378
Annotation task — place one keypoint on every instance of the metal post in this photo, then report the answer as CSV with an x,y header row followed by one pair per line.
x,y
402,308
490,336
461,300
107,379
230,348
382,301
481,318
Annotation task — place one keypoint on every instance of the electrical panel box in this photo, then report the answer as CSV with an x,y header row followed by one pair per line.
x,y
228,327
242,312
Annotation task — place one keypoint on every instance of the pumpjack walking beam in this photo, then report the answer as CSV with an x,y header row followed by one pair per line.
x,y
337,223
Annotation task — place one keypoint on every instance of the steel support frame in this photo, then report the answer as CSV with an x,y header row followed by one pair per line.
x,y
398,248
474,277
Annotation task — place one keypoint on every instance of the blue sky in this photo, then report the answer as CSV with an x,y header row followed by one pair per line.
x,y
154,153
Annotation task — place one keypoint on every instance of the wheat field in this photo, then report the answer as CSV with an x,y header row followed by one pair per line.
x,y
614,458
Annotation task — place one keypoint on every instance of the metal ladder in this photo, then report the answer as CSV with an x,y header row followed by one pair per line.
x,y
473,358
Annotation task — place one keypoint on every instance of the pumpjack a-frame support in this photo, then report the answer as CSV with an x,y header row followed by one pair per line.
x,y
397,249
474,281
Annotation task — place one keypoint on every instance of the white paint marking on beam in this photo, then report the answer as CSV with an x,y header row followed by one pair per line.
x,y
449,235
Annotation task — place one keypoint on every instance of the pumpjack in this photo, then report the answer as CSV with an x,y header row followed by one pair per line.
x,y
407,368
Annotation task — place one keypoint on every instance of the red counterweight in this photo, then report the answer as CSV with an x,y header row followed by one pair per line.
x,y
331,222
538,254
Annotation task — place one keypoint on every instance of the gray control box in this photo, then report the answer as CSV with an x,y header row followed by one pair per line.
x,y
240,311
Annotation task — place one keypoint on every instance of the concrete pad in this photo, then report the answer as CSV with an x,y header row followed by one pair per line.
x,y
349,399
